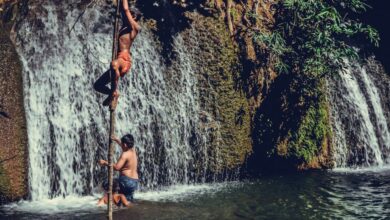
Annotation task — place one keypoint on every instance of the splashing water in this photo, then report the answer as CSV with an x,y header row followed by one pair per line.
x,y
87,204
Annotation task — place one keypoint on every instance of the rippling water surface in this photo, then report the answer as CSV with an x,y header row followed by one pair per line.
x,y
341,194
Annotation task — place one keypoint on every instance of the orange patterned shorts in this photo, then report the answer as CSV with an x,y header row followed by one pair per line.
x,y
125,55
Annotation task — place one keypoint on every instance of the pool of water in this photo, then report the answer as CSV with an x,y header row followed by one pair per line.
x,y
340,194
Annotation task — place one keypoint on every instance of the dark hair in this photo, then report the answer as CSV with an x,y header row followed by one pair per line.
x,y
115,186
128,139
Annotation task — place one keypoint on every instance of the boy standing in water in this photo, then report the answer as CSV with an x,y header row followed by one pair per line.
x,y
127,166
122,64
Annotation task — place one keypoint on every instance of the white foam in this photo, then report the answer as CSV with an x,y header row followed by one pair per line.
x,y
56,205
89,203
180,192
375,169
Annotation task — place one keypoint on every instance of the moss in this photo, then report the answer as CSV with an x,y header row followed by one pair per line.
x,y
306,143
309,144
288,129
291,132
228,122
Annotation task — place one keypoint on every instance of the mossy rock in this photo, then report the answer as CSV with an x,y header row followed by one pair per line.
x,y
291,132
311,142
227,115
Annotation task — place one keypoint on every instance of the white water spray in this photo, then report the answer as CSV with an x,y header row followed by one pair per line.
x,y
67,125
361,132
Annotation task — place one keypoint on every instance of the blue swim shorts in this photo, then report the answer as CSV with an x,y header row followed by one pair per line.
x,y
128,186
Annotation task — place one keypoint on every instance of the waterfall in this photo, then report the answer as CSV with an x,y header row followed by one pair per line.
x,y
67,125
360,125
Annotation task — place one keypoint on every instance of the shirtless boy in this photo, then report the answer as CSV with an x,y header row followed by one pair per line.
x,y
127,166
122,64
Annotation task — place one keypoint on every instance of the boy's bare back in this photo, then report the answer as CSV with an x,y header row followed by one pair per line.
x,y
130,167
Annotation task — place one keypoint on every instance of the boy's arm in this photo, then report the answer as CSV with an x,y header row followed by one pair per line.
x,y
117,166
121,162
130,18
103,163
114,138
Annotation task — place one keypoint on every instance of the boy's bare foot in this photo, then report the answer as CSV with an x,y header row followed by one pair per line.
x,y
111,98
114,101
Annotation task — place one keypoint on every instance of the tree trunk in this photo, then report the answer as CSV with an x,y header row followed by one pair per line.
x,y
112,115
229,17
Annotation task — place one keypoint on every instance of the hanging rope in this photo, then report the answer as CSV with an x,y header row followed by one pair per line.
x,y
112,113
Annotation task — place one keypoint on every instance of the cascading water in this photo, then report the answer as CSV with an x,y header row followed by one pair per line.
x,y
67,125
360,125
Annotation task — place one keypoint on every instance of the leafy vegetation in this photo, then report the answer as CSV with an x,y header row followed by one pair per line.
x,y
309,40
311,37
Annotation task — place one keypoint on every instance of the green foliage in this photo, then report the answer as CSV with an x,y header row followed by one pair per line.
x,y
309,40
305,143
311,36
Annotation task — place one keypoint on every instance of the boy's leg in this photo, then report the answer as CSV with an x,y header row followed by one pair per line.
x,y
103,200
116,199
101,84
117,65
124,200
128,186
113,93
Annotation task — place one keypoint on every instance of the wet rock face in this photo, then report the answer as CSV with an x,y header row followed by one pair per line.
x,y
219,66
360,114
225,112
13,135
381,79
10,11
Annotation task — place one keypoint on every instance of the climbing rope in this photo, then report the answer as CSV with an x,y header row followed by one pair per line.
x,y
112,114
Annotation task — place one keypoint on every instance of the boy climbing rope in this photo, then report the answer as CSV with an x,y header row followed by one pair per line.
x,y
122,64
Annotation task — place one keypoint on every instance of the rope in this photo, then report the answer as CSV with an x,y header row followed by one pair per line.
x,y
112,115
